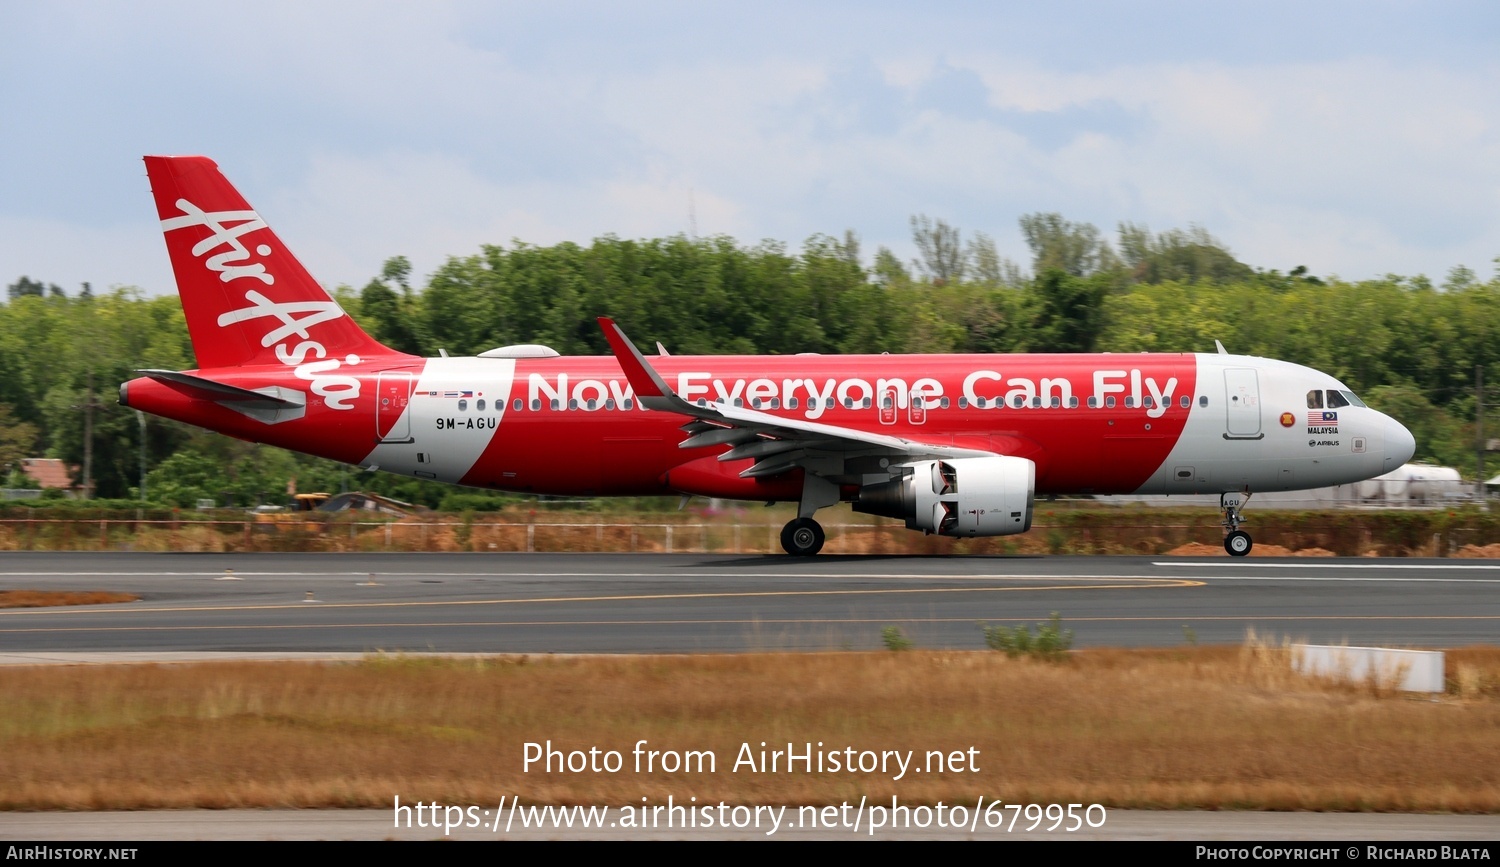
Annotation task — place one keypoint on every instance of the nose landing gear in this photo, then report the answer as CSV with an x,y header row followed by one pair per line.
x,y
1237,542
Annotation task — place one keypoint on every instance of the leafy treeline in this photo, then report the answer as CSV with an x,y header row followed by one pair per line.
x,y
1407,346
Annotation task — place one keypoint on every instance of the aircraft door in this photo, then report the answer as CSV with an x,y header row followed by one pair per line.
x,y
393,398
916,411
1242,397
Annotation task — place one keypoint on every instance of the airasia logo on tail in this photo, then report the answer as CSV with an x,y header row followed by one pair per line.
x,y
292,338
223,235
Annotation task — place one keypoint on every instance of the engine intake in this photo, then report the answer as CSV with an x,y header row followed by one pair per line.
x,y
958,497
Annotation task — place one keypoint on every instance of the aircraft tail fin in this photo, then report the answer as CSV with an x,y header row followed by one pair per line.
x,y
247,298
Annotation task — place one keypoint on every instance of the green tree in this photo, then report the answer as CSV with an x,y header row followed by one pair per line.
x,y
943,257
1067,311
1076,249
1188,256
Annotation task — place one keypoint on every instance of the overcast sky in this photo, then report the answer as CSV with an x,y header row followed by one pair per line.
x,y
1358,139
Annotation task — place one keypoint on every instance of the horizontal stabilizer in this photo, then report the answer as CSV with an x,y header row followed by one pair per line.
x,y
208,389
271,404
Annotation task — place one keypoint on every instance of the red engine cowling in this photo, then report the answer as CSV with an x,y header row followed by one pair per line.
x,y
958,497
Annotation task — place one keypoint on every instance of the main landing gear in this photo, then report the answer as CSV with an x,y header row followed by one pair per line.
x,y
802,537
1237,542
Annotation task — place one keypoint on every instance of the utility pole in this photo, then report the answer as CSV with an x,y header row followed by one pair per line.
x,y
88,407
1479,426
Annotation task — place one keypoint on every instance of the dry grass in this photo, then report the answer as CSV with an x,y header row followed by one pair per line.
x,y
46,598
1210,728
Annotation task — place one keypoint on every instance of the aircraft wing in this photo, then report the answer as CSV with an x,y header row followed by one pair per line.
x,y
777,443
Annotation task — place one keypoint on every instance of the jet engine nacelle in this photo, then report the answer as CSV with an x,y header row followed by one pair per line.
x,y
958,497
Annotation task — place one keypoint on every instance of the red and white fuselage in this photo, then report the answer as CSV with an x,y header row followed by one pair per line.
x,y
281,363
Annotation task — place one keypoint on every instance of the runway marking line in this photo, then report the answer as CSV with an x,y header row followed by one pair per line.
x,y
1312,564
420,575
1140,584
731,622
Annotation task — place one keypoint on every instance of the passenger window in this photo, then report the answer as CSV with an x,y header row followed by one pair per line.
x,y
1072,403
943,404
479,405
1109,402
463,406
555,404
1093,402
866,403
628,404
1315,399
1036,402
609,403
791,403
979,402
573,403
536,405
963,403
1203,400
1186,402
1018,401
1130,402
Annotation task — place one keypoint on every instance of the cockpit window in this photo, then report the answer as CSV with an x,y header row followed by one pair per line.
x,y
1315,399
1337,398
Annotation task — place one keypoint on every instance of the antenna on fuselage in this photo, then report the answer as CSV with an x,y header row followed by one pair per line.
x,y
1221,347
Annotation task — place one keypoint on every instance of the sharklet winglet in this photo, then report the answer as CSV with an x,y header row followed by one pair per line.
x,y
647,384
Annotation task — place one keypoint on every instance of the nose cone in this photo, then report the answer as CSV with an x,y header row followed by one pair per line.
x,y
1400,445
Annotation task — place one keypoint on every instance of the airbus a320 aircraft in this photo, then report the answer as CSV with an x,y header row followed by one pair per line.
x,y
952,444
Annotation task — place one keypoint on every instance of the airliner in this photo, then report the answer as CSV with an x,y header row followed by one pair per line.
x,y
957,445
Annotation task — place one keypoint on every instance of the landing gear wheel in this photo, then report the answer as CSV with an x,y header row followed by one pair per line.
x,y
802,537
1237,541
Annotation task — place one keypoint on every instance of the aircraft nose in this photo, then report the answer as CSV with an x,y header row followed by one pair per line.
x,y
1400,445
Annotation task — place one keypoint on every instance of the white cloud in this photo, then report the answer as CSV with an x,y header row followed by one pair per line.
x,y
370,131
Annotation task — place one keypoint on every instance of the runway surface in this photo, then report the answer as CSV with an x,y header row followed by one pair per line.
x,y
601,603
